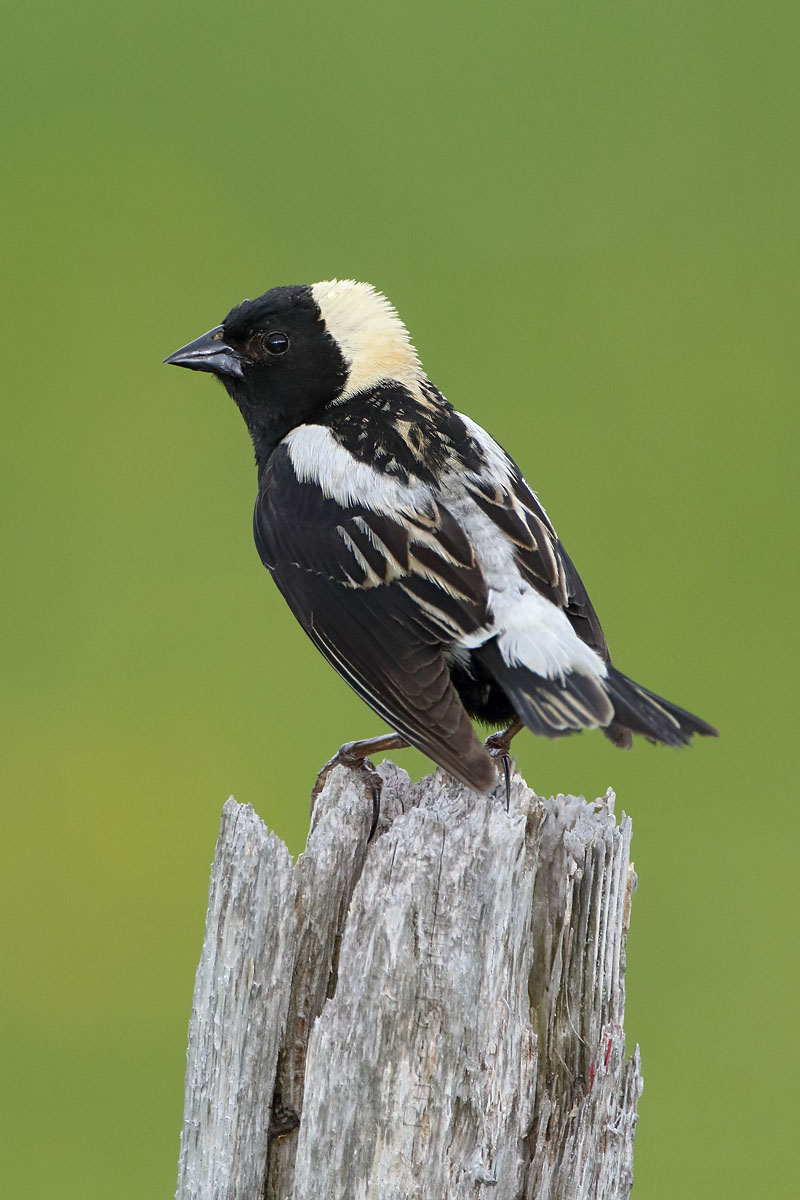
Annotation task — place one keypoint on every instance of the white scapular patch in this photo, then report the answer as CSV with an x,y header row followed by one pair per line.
x,y
499,465
317,457
532,631
374,341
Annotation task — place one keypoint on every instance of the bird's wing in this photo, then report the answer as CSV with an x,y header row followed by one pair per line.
x,y
542,560
381,593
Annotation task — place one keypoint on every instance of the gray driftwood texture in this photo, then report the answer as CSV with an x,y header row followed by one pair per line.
x,y
435,1014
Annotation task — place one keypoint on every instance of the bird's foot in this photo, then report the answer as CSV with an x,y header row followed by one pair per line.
x,y
355,756
498,745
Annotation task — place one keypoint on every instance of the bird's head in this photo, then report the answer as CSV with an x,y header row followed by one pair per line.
x,y
294,350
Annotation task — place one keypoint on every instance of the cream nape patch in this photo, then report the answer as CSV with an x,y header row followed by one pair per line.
x,y
374,341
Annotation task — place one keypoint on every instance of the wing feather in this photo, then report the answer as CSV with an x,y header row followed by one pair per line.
x,y
380,596
540,556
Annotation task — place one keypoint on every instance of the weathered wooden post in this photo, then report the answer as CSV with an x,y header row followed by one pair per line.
x,y
435,1014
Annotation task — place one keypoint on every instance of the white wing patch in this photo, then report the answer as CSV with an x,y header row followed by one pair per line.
x,y
531,631
317,457
497,461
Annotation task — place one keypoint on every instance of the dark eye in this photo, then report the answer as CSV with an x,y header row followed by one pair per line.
x,y
276,343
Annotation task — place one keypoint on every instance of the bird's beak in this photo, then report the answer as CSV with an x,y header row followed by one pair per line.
x,y
209,353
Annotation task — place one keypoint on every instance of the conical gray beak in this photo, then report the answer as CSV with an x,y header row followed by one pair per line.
x,y
209,353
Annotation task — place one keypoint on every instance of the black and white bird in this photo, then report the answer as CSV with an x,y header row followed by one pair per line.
x,y
407,543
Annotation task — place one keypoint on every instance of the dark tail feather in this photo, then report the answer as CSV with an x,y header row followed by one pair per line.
x,y
641,711
551,707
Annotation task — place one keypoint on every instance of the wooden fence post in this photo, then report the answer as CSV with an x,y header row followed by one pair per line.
x,y
436,1014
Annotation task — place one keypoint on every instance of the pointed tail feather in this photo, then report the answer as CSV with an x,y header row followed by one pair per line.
x,y
642,711
564,705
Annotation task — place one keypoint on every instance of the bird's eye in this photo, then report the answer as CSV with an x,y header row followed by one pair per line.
x,y
276,343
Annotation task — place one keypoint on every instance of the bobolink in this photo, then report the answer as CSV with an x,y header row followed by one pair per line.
x,y
408,544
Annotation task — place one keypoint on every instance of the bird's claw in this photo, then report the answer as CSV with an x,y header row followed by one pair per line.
x,y
498,746
348,756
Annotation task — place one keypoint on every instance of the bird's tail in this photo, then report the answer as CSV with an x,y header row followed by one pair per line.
x,y
641,711
614,703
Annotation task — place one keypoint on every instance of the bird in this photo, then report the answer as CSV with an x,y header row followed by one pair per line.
x,y
408,544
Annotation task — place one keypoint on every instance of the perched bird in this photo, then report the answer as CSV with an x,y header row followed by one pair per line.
x,y
407,543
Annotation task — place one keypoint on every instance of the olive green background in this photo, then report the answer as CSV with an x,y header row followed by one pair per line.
x,y
586,212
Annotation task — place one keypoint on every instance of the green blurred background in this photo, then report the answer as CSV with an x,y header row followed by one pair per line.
x,y
586,213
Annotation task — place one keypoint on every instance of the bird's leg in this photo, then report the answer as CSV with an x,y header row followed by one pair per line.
x,y
356,756
498,746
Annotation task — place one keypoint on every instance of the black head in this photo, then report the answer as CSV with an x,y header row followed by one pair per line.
x,y
275,357
286,355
